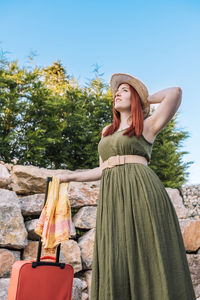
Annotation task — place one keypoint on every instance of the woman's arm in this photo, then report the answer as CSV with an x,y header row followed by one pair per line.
x,y
170,100
90,175
160,95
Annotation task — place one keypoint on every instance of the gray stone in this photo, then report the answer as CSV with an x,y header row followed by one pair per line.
x,y
32,205
5,178
4,284
28,180
84,193
86,244
85,296
86,217
71,254
7,259
177,201
13,233
77,289
30,226
194,265
191,198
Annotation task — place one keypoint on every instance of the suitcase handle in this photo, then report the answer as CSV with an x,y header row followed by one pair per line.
x,y
48,257
47,263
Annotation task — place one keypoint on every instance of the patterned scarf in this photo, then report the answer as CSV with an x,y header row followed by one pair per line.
x,y
54,224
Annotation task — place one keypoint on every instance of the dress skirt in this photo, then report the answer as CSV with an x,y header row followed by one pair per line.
x,y
139,252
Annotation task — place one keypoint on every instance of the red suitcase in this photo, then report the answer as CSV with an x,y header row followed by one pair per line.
x,y
41,280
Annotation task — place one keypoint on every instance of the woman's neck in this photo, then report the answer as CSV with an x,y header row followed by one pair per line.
x,y
125,120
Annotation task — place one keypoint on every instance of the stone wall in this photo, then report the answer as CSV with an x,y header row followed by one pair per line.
x,y
22,191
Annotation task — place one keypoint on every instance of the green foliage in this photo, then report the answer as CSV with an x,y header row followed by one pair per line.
x,y
11,108
55,78
48,120
166,157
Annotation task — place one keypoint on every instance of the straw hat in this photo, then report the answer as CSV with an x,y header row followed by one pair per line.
x,y
118,78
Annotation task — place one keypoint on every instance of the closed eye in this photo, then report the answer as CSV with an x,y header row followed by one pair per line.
x,y
123,89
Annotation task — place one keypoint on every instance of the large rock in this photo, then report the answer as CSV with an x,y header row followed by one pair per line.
x,y
88,279
84,193
8,166
85,218
28,180
4,284
5,177
77,289
181,210
16,253
7,259
191,199
13,233
191,234
86,244
30,251
73,230
32,205
71,254
85,296
194,265
30,227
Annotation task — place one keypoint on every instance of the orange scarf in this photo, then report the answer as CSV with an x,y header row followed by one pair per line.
x,y
54,224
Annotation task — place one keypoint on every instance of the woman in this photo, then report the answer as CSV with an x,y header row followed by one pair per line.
x,y
139,252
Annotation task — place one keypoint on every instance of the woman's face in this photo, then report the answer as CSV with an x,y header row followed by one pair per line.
x,y
122,99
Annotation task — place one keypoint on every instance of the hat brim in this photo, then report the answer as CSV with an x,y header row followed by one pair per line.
x,y
139,86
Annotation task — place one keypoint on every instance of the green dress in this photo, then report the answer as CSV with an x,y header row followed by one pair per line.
x,y
138,251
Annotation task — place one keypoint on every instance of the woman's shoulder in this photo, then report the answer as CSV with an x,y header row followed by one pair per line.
x,y
104,129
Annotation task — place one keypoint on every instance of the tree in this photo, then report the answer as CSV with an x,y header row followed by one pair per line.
x,y
55,78
166,157
48,120
86,112
11,108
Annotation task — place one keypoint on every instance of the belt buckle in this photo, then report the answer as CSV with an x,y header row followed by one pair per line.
x,y
111,162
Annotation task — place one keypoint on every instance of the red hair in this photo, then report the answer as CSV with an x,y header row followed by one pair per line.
x,y
136,126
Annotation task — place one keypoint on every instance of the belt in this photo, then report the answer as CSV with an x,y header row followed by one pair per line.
x,y
123,159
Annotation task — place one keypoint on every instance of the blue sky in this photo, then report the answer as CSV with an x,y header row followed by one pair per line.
x,y
157,42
